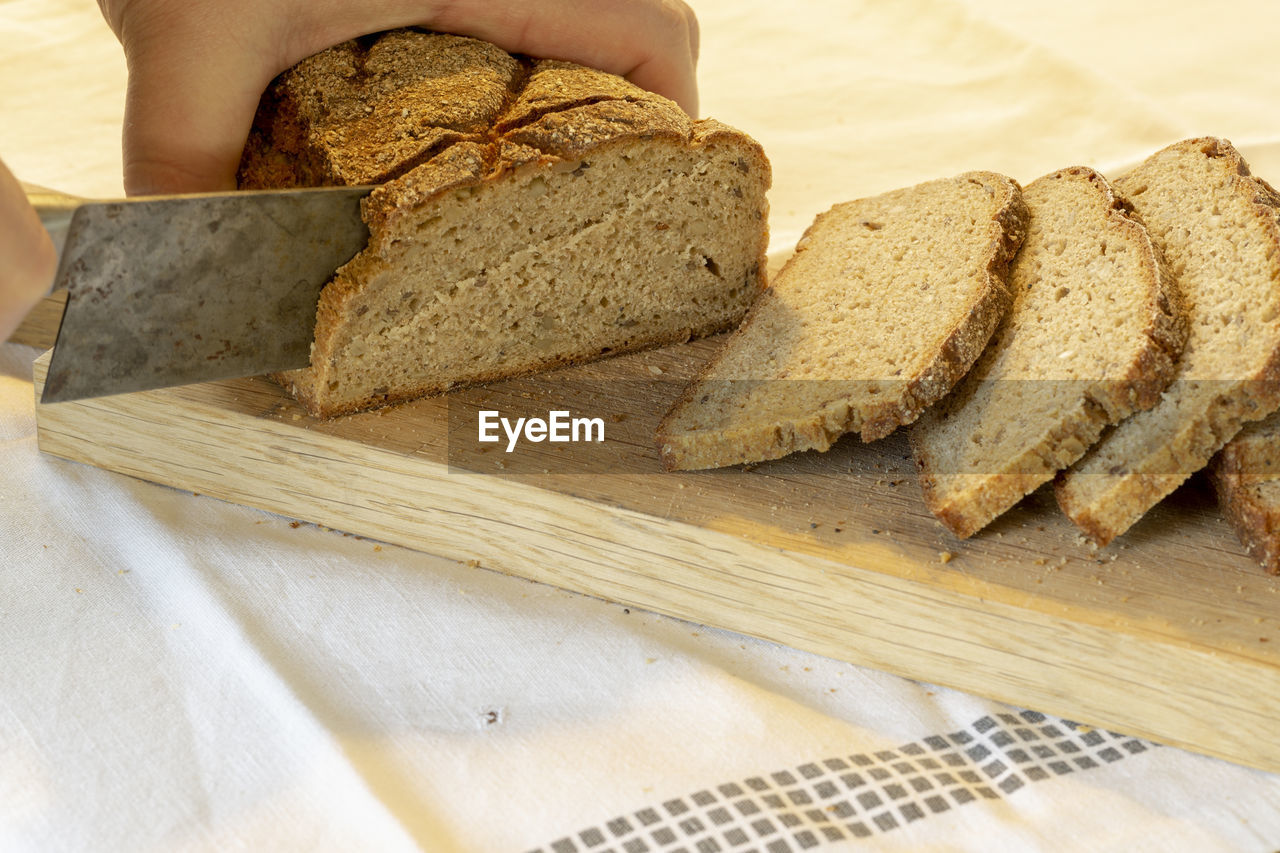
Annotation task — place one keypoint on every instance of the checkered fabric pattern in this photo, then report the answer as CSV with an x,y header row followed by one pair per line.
x,y
856,796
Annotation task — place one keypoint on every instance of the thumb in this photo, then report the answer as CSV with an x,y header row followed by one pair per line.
x,y
27,259
188,108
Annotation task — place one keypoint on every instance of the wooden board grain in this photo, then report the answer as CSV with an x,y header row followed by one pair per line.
x,y
40,327
1171,633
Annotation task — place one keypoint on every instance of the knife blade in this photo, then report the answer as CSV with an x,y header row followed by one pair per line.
x,y
170,290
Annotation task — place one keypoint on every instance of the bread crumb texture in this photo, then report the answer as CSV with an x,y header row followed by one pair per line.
x,y
884,306
1092,336
528,214
1217,227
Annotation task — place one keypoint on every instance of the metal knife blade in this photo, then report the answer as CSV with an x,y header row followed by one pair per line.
x,y
169,290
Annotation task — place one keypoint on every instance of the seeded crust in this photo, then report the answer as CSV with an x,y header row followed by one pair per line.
x,y
527,214
1217,227
884,306
1092,336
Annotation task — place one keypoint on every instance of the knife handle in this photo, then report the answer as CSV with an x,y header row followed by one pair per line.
x,y
54,209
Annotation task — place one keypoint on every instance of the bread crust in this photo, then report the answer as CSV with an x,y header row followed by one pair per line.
x,y
1255,519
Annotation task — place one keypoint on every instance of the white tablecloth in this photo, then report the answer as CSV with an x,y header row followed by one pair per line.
x,y
178,673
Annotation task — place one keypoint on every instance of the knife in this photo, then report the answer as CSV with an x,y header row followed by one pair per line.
x,y
169,290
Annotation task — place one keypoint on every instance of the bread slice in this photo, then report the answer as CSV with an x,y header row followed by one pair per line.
x,y
1217,227
885,304
1246,476
1092,335
529,214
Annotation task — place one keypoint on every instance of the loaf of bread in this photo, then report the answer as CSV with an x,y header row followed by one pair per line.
x,y
529,214
885,304
1217,227
1246,477
1092,335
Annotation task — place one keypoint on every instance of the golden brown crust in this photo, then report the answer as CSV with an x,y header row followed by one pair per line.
x,y
466,164
370,109
556,87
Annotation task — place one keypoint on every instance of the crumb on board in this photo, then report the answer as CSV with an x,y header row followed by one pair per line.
x,y
473,563
945,556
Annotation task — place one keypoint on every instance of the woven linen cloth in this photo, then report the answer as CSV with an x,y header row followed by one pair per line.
x,y
179,673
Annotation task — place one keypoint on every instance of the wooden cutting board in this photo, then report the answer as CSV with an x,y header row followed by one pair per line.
x,y
1170,633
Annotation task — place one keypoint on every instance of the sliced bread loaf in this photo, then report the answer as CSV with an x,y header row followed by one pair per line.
x,y
1092,335
1217,228
529,214
1246,476
885,304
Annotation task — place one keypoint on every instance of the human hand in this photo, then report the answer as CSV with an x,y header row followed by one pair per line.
x,y
27,258
197,68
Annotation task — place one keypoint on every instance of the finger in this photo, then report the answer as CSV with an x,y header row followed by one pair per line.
x,y
27,258
192,93
653,43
